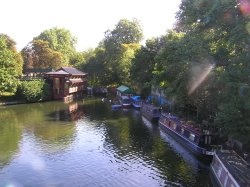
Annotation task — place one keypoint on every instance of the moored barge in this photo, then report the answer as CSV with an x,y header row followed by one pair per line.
x,y
230,170
200,143
151,112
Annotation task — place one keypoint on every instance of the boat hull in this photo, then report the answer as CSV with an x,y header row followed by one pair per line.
x,y
151,118
136,106
126,105
198,151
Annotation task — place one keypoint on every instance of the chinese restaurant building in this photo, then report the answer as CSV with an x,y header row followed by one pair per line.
x,y
66,83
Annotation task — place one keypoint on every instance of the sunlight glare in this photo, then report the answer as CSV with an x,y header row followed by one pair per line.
x,y
245,7
200,78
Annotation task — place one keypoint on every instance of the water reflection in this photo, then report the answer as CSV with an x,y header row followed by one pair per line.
x,y
41,122
73,112
9,136
88,144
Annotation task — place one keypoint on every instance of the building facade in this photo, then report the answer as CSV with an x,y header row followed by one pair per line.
x,y
66,82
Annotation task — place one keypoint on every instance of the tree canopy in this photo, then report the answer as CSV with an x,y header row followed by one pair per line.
x,y
38,54
60,40
10,64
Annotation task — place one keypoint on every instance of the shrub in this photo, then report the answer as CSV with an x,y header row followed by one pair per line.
x,y
33,91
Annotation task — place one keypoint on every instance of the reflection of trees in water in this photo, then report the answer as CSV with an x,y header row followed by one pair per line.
x,y
10,135
131,139
35,119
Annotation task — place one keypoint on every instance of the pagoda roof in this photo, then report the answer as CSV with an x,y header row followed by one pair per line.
x,y
72,71
60,72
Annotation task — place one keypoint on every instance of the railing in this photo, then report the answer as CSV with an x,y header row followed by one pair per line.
x,y
27,78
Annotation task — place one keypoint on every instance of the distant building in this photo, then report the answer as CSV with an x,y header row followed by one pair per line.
x,y
67,83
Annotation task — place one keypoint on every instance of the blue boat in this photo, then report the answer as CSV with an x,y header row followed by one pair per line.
x,y
136,101
199,142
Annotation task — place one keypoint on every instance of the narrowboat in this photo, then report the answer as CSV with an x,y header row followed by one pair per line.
x,y
229,169
200,143
151,112
136,102
125,101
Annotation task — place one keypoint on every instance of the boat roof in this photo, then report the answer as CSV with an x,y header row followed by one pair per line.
x,y
136,98
236,166
182,124
124,97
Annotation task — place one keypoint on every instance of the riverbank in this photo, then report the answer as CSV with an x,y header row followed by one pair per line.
x,y
11,103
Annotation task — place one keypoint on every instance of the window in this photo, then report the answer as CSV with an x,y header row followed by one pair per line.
x,y
191,136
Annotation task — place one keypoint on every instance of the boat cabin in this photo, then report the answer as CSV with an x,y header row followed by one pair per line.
x,y
190,132
151,112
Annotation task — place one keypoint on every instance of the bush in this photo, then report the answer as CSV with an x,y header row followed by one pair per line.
x,y
33,91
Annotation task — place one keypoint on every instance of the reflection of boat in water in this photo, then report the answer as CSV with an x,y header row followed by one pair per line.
x,y
198,142
176,146
136,102
151,112
230,170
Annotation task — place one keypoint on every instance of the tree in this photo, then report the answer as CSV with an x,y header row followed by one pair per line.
x,y
37,54
10,65
120,46
60,40
95,66
143,65
222,26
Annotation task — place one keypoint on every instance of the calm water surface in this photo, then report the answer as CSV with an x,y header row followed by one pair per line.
x,y
87,144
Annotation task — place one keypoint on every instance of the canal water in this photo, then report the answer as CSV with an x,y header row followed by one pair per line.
x,y
85,143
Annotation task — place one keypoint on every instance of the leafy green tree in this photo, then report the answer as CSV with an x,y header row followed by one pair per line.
x,y
95,66
121,44
222,26
143,65
37,54
60,40
10,65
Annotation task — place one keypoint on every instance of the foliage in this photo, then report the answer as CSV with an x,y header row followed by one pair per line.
x,y
111,61
33,91
10,65
37,54
216,36
60,40
143,65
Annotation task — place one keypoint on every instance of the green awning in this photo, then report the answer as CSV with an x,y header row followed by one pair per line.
x,y
124,89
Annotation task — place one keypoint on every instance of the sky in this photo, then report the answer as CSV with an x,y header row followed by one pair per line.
x,y
86,19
